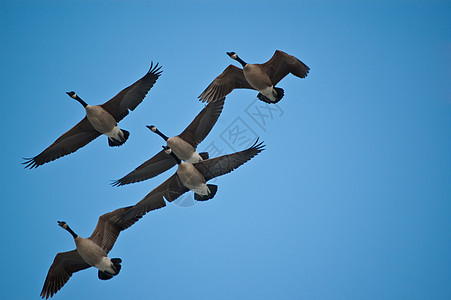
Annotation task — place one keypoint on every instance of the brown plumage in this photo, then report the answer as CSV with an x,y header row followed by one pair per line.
x,y
104,236
260,77
183,145
174,187
84,132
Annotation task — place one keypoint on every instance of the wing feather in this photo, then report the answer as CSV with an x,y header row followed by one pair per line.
x,y
130,97
170,190
232,78
62,268
281,64
221,165
110,225
202,124
74,139
154,166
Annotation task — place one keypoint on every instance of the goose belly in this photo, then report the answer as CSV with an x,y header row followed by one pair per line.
x,y
192,179
91,253
183,150
100,119
256,77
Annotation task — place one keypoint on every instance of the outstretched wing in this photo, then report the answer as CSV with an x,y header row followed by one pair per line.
x,y
109,226
202,124
232,78
154,166
62,268
170,190
281,64
130,97
221,165
77,137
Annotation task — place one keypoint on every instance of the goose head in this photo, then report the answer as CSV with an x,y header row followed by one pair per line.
x,y
63,224
73,95
232,55
167,149
235,57
154,129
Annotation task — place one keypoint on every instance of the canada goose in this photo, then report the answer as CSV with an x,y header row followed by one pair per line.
x,y
192,176
260,77
99,119
90,252
183,145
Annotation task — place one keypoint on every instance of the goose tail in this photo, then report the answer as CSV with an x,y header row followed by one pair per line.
x,y
213,189
112,142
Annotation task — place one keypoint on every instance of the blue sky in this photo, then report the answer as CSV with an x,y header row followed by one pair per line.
x,y
350,199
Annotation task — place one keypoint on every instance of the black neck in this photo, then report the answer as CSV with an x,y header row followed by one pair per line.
x,y
71,232
81,101
177,160
161,134
241,61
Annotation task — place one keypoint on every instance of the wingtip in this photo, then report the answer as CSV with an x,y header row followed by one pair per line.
x,y
258,146
116,183
155,69
30,163
202,98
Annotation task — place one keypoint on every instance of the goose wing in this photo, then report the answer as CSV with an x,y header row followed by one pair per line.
x,y
109,226
221,165
281,64
154,166
130,97
201,126
77,137
232,78
170,190
62,268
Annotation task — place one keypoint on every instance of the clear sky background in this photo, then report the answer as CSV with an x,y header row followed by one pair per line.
x,y
350,200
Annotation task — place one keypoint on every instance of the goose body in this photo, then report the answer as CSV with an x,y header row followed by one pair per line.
x,y
94,255
192,176
260,77
183,145
89,252
103,122
193,179
184,150
260,81
99,119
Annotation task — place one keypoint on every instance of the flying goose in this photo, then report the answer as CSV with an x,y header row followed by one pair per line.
x,y
90,252
260,77
192,176
183,145
99,119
